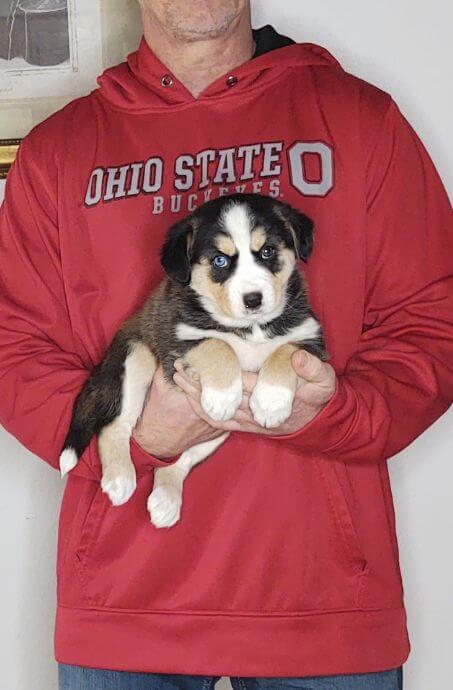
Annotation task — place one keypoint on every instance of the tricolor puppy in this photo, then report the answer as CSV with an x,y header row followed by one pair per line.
x,y
232,300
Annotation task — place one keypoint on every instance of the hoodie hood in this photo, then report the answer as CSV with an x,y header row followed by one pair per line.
x,y
144,83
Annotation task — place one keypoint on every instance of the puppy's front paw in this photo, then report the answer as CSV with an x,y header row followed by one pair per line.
x,y
271,405
119,483
221,403
164,505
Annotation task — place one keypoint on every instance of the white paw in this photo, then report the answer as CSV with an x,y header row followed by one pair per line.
x,y
271,405
221,403
68,460
164,505
119,485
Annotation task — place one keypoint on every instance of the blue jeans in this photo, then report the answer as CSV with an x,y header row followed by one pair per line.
x,y
78,678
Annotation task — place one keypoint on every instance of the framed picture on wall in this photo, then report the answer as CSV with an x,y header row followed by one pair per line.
x,y
51,51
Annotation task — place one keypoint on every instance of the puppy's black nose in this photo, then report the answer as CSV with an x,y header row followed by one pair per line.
x,y
253,300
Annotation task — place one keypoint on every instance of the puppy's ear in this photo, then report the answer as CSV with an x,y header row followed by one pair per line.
x,y
175,255
301,228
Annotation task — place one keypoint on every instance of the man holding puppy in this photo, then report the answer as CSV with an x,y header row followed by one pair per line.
x,y
284,567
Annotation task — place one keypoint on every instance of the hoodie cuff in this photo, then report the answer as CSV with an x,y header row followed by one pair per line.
x,y
144,462
331,427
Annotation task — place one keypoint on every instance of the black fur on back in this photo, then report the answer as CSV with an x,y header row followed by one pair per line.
x,y
99,401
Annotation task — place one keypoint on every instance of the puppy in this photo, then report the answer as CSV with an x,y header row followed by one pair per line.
x,y
232,300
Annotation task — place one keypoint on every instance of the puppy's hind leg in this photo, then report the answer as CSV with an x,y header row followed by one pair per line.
x,y
165,500
118,472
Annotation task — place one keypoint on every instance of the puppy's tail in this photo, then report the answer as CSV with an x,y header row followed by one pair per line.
x,y
97,404
84,424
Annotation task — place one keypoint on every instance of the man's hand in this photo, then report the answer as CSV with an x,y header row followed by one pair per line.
x,y
316,386
169,425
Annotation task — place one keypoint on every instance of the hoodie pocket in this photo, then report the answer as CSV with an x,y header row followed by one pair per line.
x,y
334,476
89,535
248,552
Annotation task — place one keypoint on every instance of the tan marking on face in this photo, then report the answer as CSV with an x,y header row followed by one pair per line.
x,y
225,245
215,363
203,284
278,370
257,239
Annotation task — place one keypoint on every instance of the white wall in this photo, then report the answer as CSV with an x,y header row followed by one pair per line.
x,y
404,47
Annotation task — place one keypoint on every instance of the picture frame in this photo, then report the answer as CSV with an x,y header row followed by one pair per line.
x,y
75,40
8,151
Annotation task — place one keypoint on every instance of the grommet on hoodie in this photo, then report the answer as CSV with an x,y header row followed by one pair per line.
x,y
232,80
167,80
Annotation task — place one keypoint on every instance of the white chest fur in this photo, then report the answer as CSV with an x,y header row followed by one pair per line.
x,y
253,350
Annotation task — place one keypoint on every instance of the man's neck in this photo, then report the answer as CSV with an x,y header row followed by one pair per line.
x,y
198,64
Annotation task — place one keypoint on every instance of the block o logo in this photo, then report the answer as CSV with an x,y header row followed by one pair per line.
x,y
297,168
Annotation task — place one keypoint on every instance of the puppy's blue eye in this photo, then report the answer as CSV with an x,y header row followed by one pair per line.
x,y
221,261
267,252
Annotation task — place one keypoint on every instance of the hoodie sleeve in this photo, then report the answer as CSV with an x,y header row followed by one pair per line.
x,y
41,373
400,379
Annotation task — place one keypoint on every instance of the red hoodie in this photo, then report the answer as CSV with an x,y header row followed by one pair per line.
x,y
285,562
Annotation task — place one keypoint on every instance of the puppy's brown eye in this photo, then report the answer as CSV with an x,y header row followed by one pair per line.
x,y
267,252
